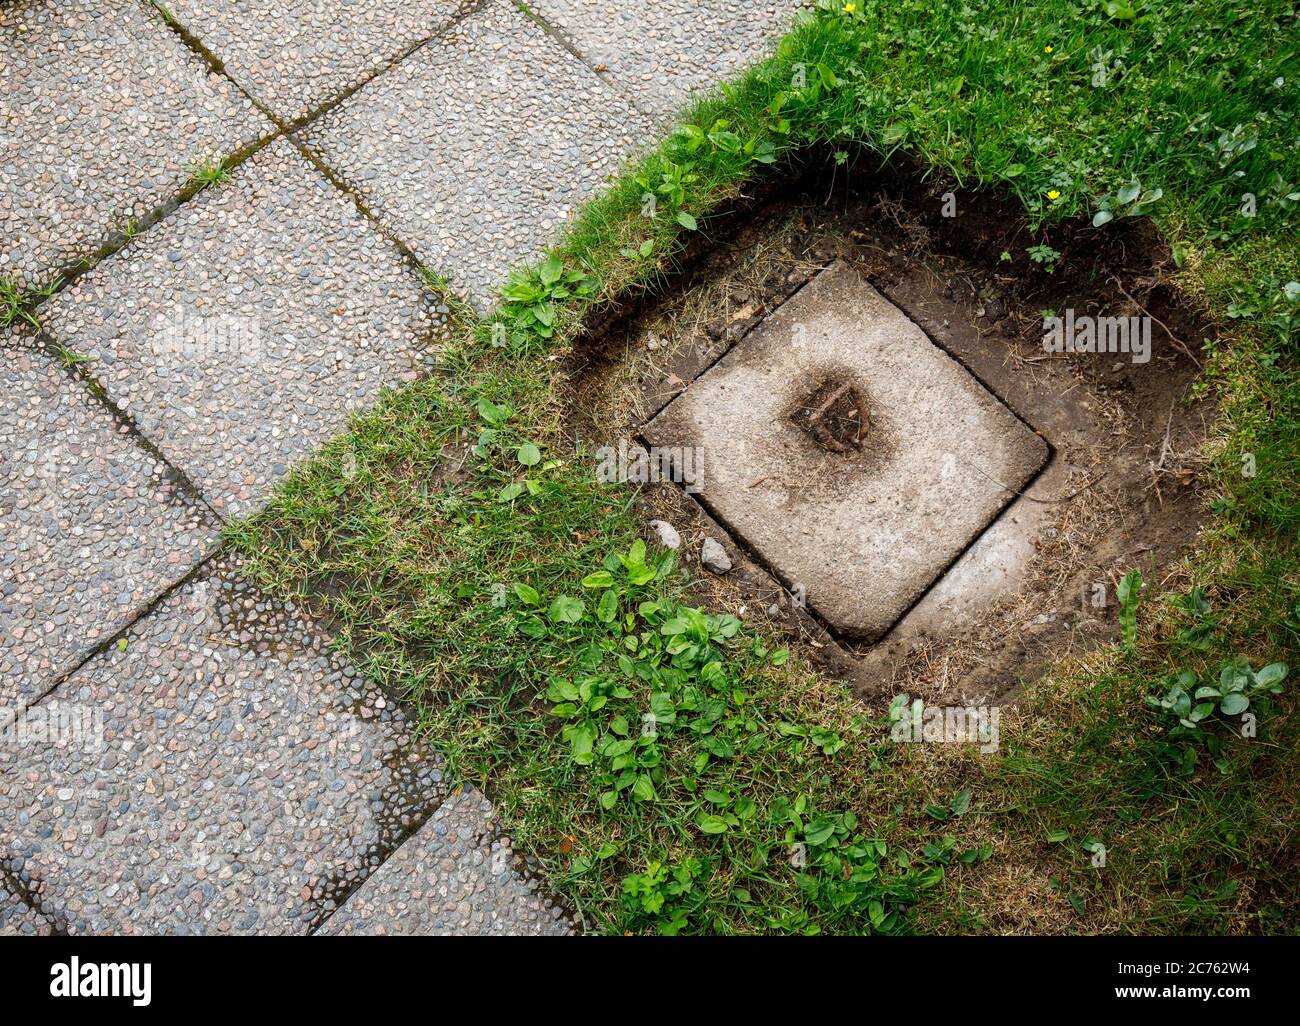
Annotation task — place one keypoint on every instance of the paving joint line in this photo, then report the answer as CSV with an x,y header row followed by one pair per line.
x,y
217,66
534,880
143,610
601,71
289,129
332,103
432,279
417,824
179,479
19,888
71,273
383,852
186,492
340,181
117,239
559,35
68,274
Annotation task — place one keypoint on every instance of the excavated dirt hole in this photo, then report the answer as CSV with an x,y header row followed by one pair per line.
x,y
1117,484
863,534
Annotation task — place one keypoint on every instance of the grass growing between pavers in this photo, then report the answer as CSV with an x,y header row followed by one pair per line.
x,y
674,772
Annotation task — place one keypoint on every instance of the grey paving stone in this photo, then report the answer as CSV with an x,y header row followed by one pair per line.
x,y
454,877
239,777
103,112
866,530
476,148
93,526
662,52
294,55
18,919
240,331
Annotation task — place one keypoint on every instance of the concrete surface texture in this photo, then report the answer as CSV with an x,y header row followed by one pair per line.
x,y
242,330
455,876
293,56
94,525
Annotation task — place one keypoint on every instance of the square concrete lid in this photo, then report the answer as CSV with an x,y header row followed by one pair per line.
x,y
865,531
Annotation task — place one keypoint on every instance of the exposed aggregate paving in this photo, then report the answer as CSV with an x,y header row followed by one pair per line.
x,y
456,876
103,112
94,528
294,55
241,330
18,919
664,51
244,778
476,150
232,775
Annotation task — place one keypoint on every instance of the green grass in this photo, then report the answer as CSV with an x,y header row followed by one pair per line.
x,y
468,559
11,302
208,172
17,304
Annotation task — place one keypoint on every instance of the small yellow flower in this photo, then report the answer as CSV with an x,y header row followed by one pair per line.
x,y
850,8
1052,194
1047,49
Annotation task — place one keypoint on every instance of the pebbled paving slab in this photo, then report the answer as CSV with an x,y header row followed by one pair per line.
x,y
476,148
94,527
103,112
454,877
662,52
867,527
294,55
18,919
239,779
240,332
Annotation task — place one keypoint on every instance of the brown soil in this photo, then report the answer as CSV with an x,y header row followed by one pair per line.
x,y
1119,492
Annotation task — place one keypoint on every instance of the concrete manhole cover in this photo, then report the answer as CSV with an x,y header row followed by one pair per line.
x,y
848,452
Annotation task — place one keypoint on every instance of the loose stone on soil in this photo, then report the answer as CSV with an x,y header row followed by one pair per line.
x,y
666,533
713,557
